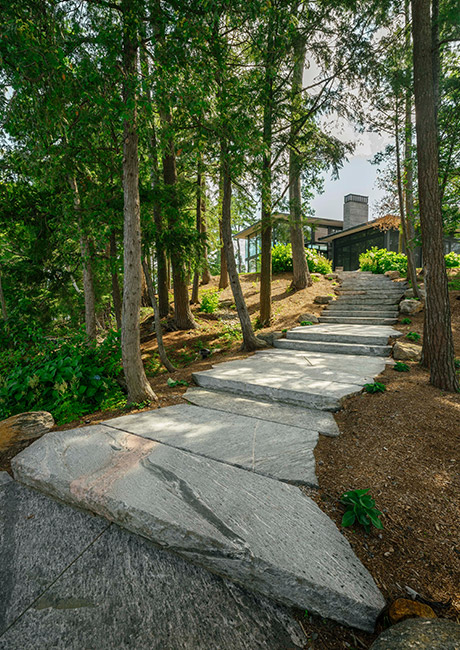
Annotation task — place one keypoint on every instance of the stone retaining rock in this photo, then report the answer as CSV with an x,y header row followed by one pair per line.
x,y
405,351
410,306
313,318
393,275
323,300
420,634
25,426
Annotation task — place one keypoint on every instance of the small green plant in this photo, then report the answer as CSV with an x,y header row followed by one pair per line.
x,y
413,336
452,260
401,367
376,387
172,383
285,330
304,323
209,301
406,321
457,363
314,278
360,508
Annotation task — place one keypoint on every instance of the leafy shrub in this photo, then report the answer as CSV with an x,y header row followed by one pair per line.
x,y
457,363
380,260
67,378
406,321
401,367
317,263
376,387
306,322
282,260
209,301
452,260
360,507
413,336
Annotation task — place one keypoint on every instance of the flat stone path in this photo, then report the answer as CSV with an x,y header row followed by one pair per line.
x,y
71,580
215,481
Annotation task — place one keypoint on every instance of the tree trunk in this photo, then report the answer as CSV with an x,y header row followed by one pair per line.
x,y
159,332
250,342
183,316
438,349
301,274
196,275
86,258
3,302
206,276
139,389
116,295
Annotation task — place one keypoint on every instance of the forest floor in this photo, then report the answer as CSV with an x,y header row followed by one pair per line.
x,y
401,444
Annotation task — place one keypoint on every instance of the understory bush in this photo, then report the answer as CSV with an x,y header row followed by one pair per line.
x,y
380,260
282,260
209,301
67,377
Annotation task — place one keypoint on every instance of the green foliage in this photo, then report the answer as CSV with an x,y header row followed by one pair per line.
x,y
176,382
406,321
454,283
413,336
282,260
380,260
360,508
306,322
457,364
452,260
209,301
68,378
317,263
376,387
401,367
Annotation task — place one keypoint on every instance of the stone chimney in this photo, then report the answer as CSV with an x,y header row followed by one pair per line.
x,y
355,210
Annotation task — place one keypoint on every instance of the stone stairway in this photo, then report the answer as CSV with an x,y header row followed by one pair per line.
x,y
365,299
215,480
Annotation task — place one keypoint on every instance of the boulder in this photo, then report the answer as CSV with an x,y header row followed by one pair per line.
x,y
332,276
410,306
405,351
420,634
403,608
410,292
24,426
323,300
393,275
308,317
270,337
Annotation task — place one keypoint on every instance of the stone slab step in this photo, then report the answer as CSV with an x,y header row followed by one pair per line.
x,y
374,313
363,306
369,300
313,380
341,348
75,581
280,451
295,416
263,534
338,333
357,320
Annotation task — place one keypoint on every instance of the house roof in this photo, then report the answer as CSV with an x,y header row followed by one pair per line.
x,y
317,221
388,222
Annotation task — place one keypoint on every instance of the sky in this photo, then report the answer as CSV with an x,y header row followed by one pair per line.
x,y
357,176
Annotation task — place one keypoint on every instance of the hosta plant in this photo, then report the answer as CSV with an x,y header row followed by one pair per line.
x,y
401,367
376,387
360,508
406,321
413,336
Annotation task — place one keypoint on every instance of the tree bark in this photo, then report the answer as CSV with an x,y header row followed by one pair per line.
x,y
250,342
301,274
223,279
206,275
183,316
196,275
86,258
116,294
438,349
2,301
139,389
156,313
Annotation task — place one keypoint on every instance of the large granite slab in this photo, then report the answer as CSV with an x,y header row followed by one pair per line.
x,y
38,539
312,379
276,450
296,416
261,533
122,592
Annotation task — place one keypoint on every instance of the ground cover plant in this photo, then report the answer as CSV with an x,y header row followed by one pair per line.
x,y
360,508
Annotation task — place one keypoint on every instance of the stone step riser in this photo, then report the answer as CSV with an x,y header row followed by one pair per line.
x,y
358,321
359,314
365,306
335,348
336,338
366,300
